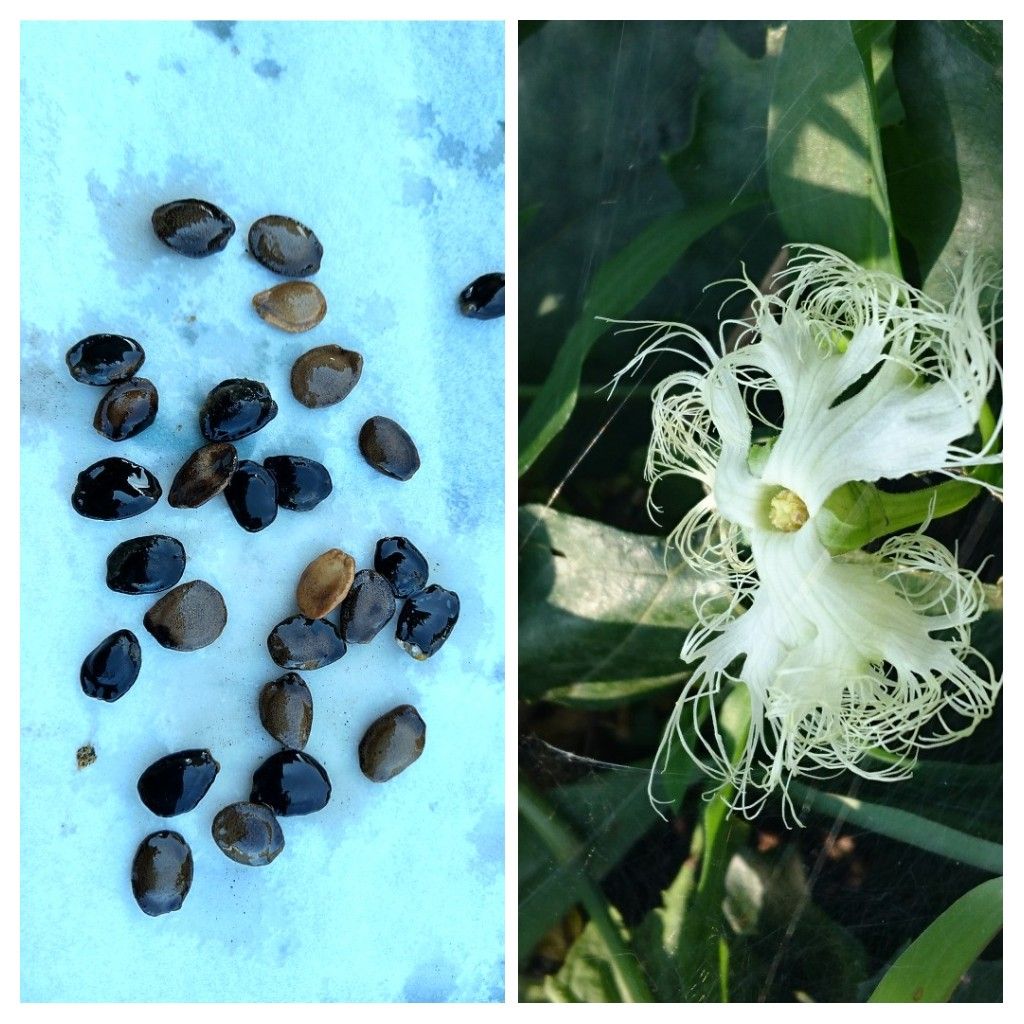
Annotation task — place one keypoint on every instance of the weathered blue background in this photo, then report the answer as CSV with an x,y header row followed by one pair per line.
x,y
388,140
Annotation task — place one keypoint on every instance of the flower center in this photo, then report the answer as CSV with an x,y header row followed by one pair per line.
x,y
787,511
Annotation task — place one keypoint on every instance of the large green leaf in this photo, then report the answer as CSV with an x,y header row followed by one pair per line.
x,y
602,613
824,155
945,162
617,287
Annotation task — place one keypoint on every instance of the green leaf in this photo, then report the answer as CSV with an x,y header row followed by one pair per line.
x,y
874,40
587,976
930,968
617,287
602,613
824,155
945,162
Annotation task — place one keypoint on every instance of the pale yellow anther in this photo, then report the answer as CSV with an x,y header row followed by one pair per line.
x,y
787,511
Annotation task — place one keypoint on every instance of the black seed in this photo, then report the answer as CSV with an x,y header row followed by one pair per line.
x,y
291,782
110,670
368,608
161,873
205,474
103,359
236,408
127,409
248,834
115,488
484,299
285,246
426,620
392,743
187,618
251,495
388,448
305,644
402,564
301,483
325,375
286,710
193,227
145,565
176,783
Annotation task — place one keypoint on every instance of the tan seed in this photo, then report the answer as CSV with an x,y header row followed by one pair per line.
x,y
324,583
294,306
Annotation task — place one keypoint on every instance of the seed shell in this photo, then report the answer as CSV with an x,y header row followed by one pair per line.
x,y
248,833
205,474
392,743
193,227
325,376
324,583
285,246
127,409
294,306
161,873
109,670
176,783
115,488
388,448
286,710
105,359
187,618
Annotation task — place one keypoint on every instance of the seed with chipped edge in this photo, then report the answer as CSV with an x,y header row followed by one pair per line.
x,y
294,306
109,670
388,448
392,743
127,409
324,583
248,833
187,618
301,483
286,710
484,299
368,608
175,784
104,359
324,376
145,565
426,621
285,246
161,873
115,488
402,564
235,409
305,644
193,227
251,495
291,782
205,474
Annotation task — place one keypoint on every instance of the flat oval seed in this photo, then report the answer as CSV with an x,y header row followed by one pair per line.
x,y
324,583
115,488
109,670
251,495
145,565
305,644
235,409
388,448
286,710
187,618
324,376
248,833
104,359
294,306
402,564
193,227
426,621
285,246
176,783
127,409
484,299
301,483
161,873
368,608
205,474
392,743
291,782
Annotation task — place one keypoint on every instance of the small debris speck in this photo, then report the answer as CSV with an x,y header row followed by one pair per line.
x,y
85,756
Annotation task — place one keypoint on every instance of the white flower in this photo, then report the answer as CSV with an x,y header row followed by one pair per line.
x,y
839,654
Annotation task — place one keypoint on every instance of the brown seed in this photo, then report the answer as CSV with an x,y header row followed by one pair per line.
x,y
392,743
388,448
188,617
205,474
324,583
325,375
286,710
127,409
162,873
248,833
294,306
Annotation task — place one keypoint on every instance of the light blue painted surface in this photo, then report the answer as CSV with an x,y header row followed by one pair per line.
x,y
386,139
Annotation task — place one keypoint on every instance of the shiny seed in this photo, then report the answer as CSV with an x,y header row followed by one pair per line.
x,y
301,483
291,782
235,409
324,583
193,227
484,299
388,448
285,246
368,608
392,743
251,495
145,565
426,621
205,474
161,873
294,306
109,670
127,409
286,710
176,783
104,359
402,564
115,488
325,375
305,644
248,833
187,618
